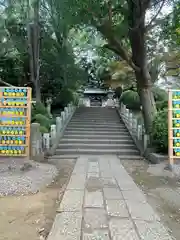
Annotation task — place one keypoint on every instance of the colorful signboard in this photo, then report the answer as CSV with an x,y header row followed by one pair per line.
x,y
15,112
174,125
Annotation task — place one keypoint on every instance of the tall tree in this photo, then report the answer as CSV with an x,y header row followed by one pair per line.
x,y
33,29
123,26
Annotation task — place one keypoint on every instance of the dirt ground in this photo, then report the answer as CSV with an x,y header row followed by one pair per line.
x,y
162,190
30,217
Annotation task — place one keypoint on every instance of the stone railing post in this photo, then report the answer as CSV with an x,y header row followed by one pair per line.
x,y
124,112
134,127
35,143
69,109
127,116
58,124
63,116
49,103
130,121
145,138
139,132
46,141
53,134
66,113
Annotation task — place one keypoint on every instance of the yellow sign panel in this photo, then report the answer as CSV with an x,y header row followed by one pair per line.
x,y
15,111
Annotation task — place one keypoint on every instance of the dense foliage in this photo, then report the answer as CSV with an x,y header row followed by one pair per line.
x,y
57,66
159,132
131,100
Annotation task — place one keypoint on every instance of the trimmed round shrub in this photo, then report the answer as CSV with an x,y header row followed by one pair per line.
x,y
42,120
39,108
159,94
159,132
160,105
130,99
43,129
65,96
118,92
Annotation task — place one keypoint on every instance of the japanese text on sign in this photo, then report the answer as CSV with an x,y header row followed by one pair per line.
x,y
15,104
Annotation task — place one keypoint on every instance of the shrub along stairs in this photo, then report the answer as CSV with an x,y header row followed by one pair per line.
x,y
97,131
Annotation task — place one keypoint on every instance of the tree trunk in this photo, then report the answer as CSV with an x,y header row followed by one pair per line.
x,y
146,97
137,10
33,45
38,91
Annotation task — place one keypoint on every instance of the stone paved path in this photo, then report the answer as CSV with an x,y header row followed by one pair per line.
x,y
102,202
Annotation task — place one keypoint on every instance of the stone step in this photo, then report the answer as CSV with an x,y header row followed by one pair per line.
x,y
91,121
98,116
97,130
86,132
98,124
130,157
95,136
96,151
95,125
112,146
96,141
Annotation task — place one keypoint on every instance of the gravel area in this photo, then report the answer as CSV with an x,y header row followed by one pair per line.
x,y
20,176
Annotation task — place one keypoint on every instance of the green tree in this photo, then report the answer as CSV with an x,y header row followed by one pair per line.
x,y
122,24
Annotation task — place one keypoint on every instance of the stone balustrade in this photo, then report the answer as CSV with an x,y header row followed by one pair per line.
x,y
41,144
136,129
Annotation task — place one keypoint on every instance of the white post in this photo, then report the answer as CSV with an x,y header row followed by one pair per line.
x,y
58,124
69,109
46,140
49,102
145,141
127,116
53,134
130,121
134,126
35,146
63,116
66,112
123,111
139,132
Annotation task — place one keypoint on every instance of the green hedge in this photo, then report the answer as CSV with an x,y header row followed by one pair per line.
x,y
159,94
130,99
159,132
65,96
160,105
43,129
42,120
39,108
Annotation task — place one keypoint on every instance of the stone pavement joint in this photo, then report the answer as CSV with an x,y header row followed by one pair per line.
x,y
102,202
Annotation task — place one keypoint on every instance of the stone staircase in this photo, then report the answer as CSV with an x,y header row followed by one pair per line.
x,y
97,131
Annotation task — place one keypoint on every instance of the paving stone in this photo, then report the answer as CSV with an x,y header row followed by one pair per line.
x,y
67,226
122,229
80,169
117,208
96,235
127,185
94,218
93,199
109,182
141,211
72,201
152,230
93,174
135,195
93,167
93,184
106,174
112,193
104,166
77,182
122,175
